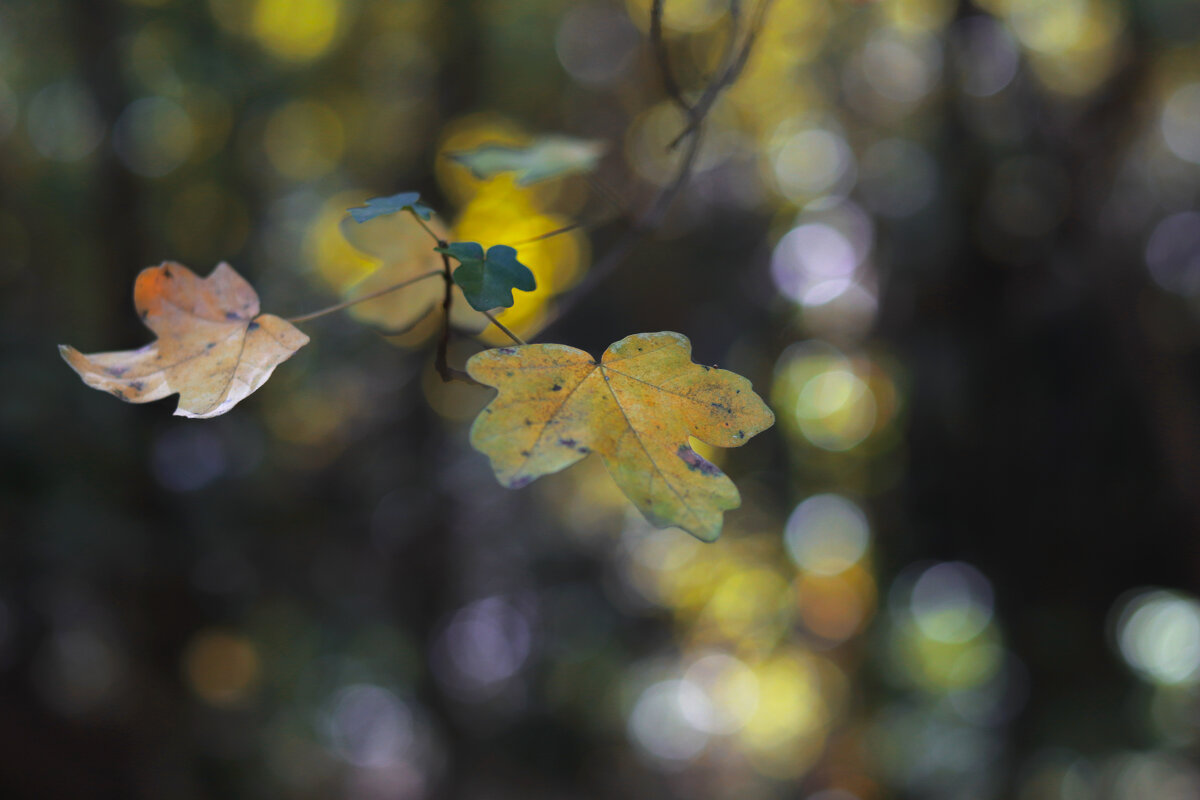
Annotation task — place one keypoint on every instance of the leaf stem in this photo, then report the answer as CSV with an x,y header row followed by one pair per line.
x,y
502,327
428,230
355,301
549,234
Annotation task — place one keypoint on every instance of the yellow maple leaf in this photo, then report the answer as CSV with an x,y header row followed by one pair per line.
x,y
636,407
213,346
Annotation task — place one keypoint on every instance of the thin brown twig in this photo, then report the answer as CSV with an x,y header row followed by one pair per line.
x,y
725,77
630,239
608,193
736,60
550,234
501,326
663,58
355,301
428,229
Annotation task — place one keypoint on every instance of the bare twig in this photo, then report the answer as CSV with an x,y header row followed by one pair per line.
x,y
735,61
663,58
550,234
501,326
355,301
410,327
727,76
608,193
441,360
619,251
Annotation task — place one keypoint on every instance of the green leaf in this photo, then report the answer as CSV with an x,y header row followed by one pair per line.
x,y
379,206
544,158
487,281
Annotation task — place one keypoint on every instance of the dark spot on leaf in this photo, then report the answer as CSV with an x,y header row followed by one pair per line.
x,y
145,313
722,407
253,326
696,462
521,482
706,369
508,374
508,351
740,435
117,372
567,442
231,315
167,272
583,448
210,345
137,385
525,453
556,388
117,393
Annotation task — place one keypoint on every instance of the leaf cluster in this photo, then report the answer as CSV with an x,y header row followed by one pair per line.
x,y
636,407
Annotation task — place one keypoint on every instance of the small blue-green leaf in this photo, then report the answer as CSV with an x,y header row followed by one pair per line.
x,y
379,206
463,251
542,159
487,281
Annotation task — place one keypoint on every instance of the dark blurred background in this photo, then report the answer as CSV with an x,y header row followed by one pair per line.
x,y
956,244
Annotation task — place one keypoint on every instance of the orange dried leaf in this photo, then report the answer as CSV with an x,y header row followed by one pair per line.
x,y
213,348
636,407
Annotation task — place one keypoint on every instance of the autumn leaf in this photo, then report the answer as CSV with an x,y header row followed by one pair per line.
x,y
405,252
213,349
488,280
542,159
636,407
379,206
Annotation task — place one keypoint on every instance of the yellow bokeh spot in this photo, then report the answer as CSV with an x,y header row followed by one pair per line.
x,y
776,84
680,16
831,400
304,139
750,605
786,732
296,30
919,15
943,666
221,667
502,213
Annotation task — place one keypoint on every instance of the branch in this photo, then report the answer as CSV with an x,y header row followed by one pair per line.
x,y
617,254
663,59
727,77
441,361
339,306
735,61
